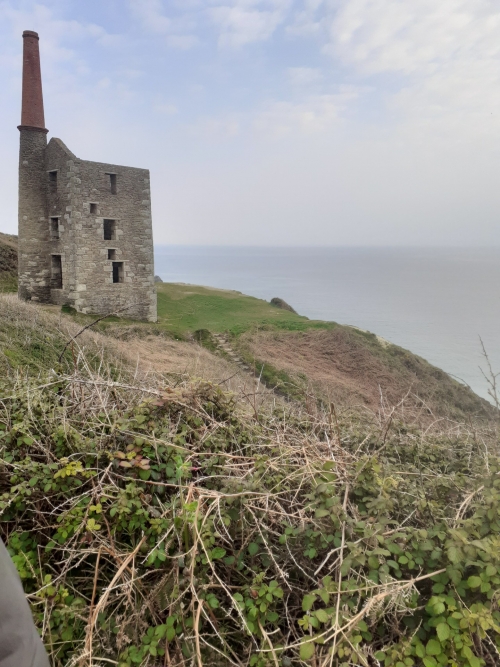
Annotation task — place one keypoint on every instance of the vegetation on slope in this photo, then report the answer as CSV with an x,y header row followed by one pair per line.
x,y
8,263
186,308
349,366
160,523
301,356
290,352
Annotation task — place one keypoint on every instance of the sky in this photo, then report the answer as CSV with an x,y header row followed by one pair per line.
x,y
275,122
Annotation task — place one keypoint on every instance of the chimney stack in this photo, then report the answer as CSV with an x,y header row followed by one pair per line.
x,y
34,241
32,117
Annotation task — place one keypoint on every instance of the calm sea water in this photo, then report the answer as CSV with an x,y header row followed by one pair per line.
x,y
434,302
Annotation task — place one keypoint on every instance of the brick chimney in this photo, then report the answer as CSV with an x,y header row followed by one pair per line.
x,y
34,238
32,106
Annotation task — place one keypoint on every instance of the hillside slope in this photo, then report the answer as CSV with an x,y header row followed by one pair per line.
x,y
351,367
8,262
158,519
296,355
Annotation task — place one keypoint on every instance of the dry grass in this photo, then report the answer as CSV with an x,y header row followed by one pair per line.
x,y
100,579
33,335
355,369
152,515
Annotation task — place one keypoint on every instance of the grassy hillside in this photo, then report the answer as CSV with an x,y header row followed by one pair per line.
x,y
162,520
8,263
352,367
300,357
186,308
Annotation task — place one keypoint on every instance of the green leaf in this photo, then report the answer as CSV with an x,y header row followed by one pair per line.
x,y
306,651
429,661
433,647
420,650
453,555
345,567
307,602
253,548
474,582
321,615
443,632
218,552
380,655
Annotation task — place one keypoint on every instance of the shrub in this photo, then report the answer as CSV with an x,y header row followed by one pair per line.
x,y
168,526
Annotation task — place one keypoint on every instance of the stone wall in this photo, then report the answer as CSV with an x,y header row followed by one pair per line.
x,y
34,260
83,200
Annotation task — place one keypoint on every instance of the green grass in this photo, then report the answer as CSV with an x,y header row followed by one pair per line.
x,y
184,309
8,283
188,308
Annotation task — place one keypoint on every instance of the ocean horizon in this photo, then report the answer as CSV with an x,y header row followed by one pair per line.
x,y
436,302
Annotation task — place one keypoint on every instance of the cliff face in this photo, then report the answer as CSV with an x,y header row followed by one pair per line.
x,y
8,254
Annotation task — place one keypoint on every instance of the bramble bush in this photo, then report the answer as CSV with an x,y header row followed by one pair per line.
x,y
169,526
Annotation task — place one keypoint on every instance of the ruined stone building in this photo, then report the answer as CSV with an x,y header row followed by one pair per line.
x,y
85,234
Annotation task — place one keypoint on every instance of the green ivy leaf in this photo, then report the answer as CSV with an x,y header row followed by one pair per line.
x,y
433,647
253,548
474,582
218,552
443,632
420,650
321,615
429,661
306,651
308,602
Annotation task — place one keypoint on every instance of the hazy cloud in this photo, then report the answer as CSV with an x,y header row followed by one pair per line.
x,y
151,14
354,121
245,21
314,114
303,76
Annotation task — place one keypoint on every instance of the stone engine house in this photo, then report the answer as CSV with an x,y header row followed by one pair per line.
x,y
85,231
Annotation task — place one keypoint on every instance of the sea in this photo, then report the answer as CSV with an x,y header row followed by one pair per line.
x,y
440,303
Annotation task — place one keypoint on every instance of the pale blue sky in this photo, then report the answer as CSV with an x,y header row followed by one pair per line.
x,y
336,122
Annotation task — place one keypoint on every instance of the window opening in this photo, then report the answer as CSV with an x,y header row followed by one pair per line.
x,y
54,229
112,183
109,230
117,272
111,253
93,209
56,272
53,181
